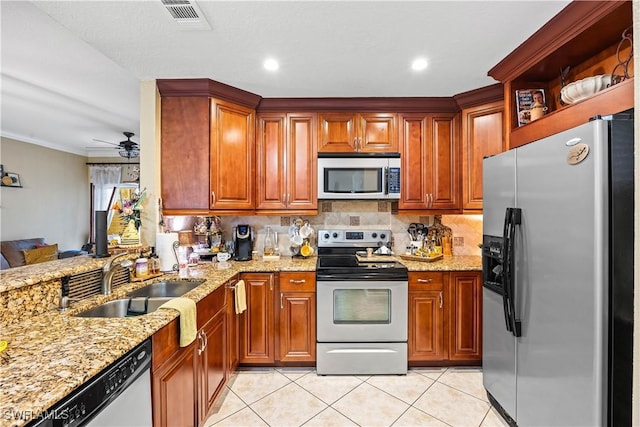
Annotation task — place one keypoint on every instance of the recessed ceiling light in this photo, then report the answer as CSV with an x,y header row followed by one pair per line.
x,y
419,64
271,64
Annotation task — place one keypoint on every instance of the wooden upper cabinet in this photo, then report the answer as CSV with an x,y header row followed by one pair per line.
x,y
271,178
232,156
357,132
185,154
337,132
584,37
429,145
286,162
482,136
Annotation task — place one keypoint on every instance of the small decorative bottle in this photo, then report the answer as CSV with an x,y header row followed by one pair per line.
x,y
269,245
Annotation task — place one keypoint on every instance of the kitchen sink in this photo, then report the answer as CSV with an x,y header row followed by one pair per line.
x,y
122,307
166,288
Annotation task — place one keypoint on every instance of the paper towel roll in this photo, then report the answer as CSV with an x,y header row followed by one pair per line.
x,y
164,249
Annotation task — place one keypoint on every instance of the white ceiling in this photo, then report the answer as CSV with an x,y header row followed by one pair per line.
x,y
70,69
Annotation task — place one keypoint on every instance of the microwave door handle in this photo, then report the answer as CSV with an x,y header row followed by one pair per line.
x,y
386,180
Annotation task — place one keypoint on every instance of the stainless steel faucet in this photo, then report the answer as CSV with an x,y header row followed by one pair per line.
x,y
109,270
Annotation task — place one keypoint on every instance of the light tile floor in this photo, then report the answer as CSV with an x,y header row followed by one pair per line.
x,y
298,397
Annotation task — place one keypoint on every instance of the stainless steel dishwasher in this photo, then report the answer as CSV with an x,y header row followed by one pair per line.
x,y
120,395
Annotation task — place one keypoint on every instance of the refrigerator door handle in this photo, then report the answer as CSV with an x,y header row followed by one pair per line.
x,y
506,270
513,218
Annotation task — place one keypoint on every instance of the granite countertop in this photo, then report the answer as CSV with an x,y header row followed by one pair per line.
x,y
64,351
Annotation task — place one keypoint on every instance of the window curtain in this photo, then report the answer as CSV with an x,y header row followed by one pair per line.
x,y
104,179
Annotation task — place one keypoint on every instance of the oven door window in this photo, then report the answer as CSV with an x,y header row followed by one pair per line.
x,y
362,306
353,180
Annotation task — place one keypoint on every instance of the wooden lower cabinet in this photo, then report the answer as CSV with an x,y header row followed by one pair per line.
x,y
233,350
212,369
445,318
297,317
174,389
187,380
426,316
465,316
257,323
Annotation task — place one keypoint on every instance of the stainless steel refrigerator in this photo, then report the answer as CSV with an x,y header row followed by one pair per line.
x,y
558,277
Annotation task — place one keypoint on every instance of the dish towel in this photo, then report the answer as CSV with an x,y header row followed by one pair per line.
x,y
187,309
241,297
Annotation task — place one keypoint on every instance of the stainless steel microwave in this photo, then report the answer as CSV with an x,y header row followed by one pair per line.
x,y
358,176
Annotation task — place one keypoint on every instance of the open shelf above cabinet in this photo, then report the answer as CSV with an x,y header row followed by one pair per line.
x,y
582,40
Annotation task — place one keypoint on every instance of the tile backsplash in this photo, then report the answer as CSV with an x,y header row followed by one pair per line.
x,y
466,229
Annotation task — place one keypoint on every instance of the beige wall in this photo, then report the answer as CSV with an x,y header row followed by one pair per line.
x,y
54,199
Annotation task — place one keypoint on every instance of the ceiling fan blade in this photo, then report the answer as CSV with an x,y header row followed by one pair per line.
x,y
106,142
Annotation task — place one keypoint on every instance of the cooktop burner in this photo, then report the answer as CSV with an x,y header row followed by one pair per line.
x,y
337,259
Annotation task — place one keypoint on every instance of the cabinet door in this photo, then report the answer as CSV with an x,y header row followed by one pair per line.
x,y
482,136
302,154
257,322
175,398
232,156
271,178
416,156
297,327
377,133
297,317
337,132
465,339
212,362
233,351
184,154
444,172
426,326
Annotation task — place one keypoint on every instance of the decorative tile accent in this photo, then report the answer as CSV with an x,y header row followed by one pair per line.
x,y
458,241
354,221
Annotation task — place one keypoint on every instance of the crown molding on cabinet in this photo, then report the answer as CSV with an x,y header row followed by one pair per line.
x,y
481,96
208,88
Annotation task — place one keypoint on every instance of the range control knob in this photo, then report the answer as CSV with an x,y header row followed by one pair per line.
x,y
326,235
335,235
382,236
374,235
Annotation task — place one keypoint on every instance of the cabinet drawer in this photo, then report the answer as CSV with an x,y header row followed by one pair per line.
x,y
210,305
426,280
298,281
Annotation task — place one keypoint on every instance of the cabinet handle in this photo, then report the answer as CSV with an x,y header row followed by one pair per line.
x,y
297,282
440,297
425,280
281,301
270,285
206,340
430,200
201,347
288,198
213,198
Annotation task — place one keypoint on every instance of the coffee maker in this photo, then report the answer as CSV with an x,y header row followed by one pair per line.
x,y
243,238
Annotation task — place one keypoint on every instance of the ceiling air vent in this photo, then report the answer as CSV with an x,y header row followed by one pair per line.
x,y
186,14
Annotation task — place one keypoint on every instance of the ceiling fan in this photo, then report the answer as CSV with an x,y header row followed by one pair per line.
x,y
127,149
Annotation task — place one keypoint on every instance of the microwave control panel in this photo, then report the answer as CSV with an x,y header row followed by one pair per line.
x,y
393,181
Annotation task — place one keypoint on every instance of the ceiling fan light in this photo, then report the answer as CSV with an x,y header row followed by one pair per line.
x,y
129,154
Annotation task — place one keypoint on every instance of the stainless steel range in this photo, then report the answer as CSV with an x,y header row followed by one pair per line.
x,y
362,306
